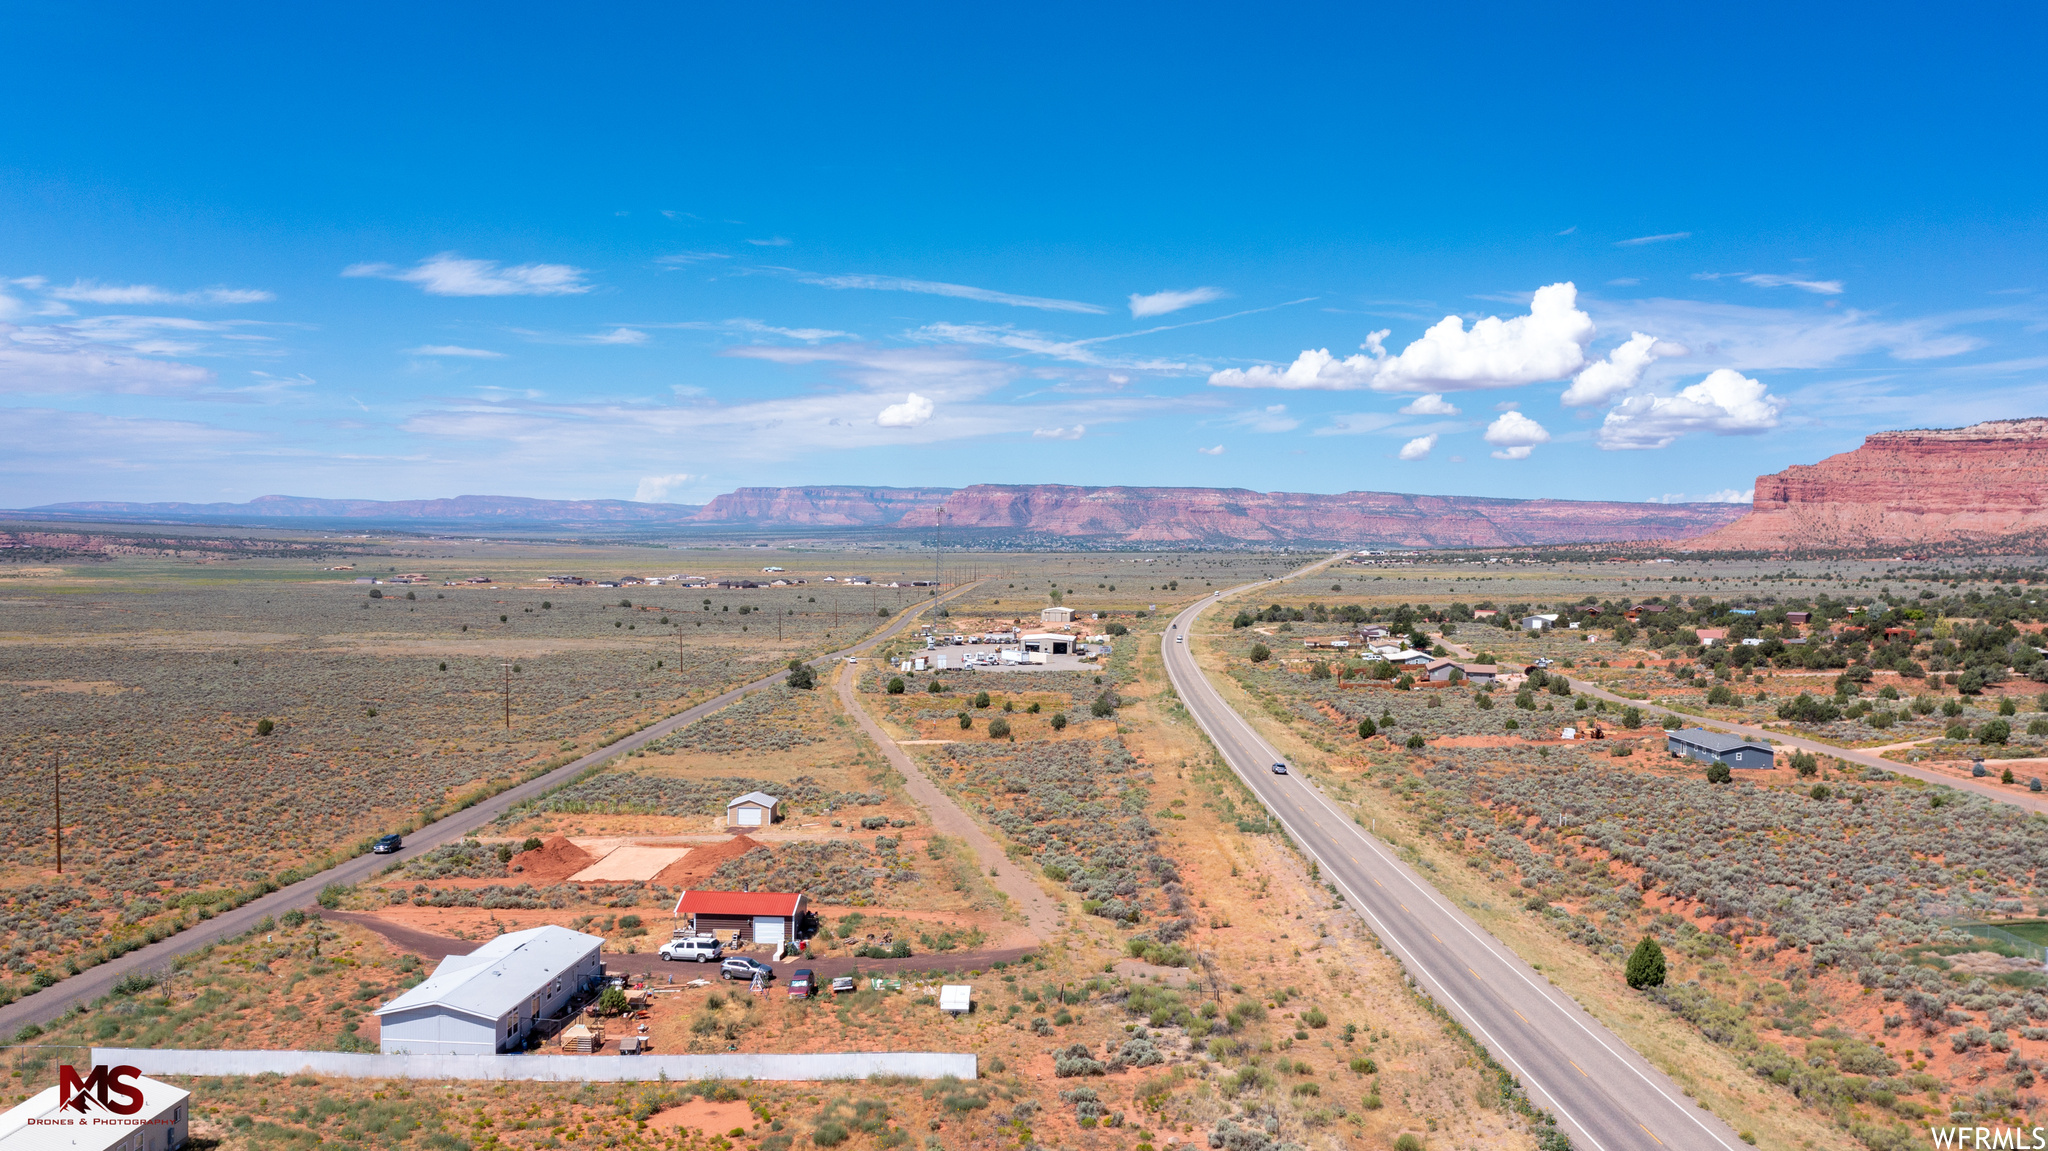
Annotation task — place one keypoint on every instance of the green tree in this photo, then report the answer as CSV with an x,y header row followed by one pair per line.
x,y
612,1002
1719,773
1059,721
1994,731
1631,717
1366,730
265,727
896,685
1804,763
801,676
1261,653
1645,965
966,721
998,728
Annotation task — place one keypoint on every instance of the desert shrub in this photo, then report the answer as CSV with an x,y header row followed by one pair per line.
x,y
765,721
1260,653
1059,721
896,685
467,859
998,728
834,871
801,676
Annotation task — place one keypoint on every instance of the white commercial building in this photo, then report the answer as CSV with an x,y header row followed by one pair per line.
x,y
1050,642
489,1000
39,1124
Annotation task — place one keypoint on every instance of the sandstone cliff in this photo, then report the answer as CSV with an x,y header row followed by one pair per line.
x,y
1978,487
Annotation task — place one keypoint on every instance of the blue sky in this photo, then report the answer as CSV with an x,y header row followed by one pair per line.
x,y
657,253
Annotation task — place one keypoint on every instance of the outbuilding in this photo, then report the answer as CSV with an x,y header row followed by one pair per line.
x,y
492,999
1539,622
40,1122
1056,615
759,916
1719,747
754,809
1049,642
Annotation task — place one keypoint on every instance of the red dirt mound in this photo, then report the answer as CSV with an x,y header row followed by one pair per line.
x,y
702,861
551,862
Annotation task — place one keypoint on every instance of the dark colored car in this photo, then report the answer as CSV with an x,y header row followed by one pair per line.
x,y
1279,769
802,983
740,967
387,845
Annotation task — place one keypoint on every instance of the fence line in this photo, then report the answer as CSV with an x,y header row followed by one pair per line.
x,y
2026,947
570,1068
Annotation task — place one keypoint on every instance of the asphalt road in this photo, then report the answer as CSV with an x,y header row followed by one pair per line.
x,y
1605,1096
52,1001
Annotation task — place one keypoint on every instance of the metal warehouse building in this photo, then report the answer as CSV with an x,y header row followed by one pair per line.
x,y
489,1000
1717,747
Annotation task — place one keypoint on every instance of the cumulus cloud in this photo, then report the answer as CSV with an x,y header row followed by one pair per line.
x,y
912,412
1621,371
1160,303
454,350
1547,344
448,274
1515,435
657,489
90,292
1725,403
1429,405
1073,433
1215,451
1418,448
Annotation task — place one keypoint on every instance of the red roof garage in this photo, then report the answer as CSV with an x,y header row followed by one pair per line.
x,y
760,916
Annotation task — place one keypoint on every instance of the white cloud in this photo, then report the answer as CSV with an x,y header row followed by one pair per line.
x,y
913,411
620,336
53,358
1418,448
681,258
1621,371
1726,403
1215,451
1073,433
1355,423
1779,339
936,288
448,274
1547,344
454,350
1160,303
657,489
1273,418
1771,280
89,292
1432,404
1659,238
1724,496
1516,435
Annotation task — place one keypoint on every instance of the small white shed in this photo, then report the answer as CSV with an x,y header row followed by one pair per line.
x,y
754,809
1056,615
956,998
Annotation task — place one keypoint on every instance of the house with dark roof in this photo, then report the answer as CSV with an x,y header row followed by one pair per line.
x,y
1697,743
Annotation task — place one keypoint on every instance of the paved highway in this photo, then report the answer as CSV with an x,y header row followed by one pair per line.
x,y
1605,1096
52,1001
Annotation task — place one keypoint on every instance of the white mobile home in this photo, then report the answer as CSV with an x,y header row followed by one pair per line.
x,y
489,1000
38,1123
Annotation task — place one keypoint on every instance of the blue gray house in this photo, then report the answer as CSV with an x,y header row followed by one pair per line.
x,y
1718,747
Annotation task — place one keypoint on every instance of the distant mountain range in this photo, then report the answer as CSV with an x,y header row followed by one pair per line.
x,y
988,513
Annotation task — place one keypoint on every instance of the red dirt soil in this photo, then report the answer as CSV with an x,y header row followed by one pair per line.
x,y
702,861
552,862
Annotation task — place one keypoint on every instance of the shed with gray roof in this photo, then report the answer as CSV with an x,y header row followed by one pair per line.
x,y
754,809
491,999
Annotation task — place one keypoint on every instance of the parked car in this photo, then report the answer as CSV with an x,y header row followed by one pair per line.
x,y
802,984
1279,769
740,967
387,845
698,947
842,984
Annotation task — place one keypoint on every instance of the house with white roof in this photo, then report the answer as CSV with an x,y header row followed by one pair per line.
x,y
491,999
160,1124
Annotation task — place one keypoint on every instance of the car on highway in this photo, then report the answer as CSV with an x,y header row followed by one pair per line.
x,y
802,984
386,845
1178,638
740,967
1279,769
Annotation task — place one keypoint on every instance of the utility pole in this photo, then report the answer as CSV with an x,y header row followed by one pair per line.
x,y
939,549
57,775
508,695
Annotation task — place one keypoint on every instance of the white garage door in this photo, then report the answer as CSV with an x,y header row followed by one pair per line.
x,y
767,929
750,816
